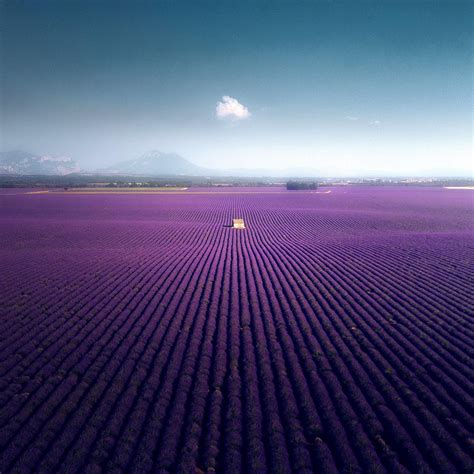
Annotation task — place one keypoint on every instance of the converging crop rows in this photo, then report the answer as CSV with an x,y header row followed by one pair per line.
x,y
331,333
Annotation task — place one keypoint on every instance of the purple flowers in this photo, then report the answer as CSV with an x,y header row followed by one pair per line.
x,y
142,334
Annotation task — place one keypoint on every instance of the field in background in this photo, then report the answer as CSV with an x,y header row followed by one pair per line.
x,y
142,332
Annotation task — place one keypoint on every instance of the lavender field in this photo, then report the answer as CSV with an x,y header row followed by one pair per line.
x,y
141,333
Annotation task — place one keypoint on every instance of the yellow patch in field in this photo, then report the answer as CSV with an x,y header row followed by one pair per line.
x,y
238,224
460,187
103,189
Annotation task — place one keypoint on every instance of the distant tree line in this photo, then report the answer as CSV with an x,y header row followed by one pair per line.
x,y
299,185
90,180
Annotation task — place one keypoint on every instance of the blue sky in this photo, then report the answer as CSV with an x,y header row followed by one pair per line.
x,y
343,87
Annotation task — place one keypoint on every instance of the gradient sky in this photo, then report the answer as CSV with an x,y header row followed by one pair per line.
x,y
347,88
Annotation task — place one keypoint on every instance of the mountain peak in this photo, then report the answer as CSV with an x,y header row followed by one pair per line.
x,y
155,162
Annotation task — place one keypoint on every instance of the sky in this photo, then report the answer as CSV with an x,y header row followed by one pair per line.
x,y
346,88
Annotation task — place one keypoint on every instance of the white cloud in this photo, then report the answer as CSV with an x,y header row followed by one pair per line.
x,y
351,118
376,123
231,108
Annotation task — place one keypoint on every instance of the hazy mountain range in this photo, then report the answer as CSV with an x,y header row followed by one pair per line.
x,y
23,163
153,163
158,164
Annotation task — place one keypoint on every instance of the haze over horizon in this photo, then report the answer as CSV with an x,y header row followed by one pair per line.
x,y
345,88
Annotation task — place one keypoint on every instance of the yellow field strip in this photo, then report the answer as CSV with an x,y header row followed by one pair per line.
x,y
125,189
163,193
471,188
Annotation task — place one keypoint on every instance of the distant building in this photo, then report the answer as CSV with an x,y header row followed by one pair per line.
x,y
238,224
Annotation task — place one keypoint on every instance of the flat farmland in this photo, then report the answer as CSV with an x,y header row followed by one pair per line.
x,y
141,333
